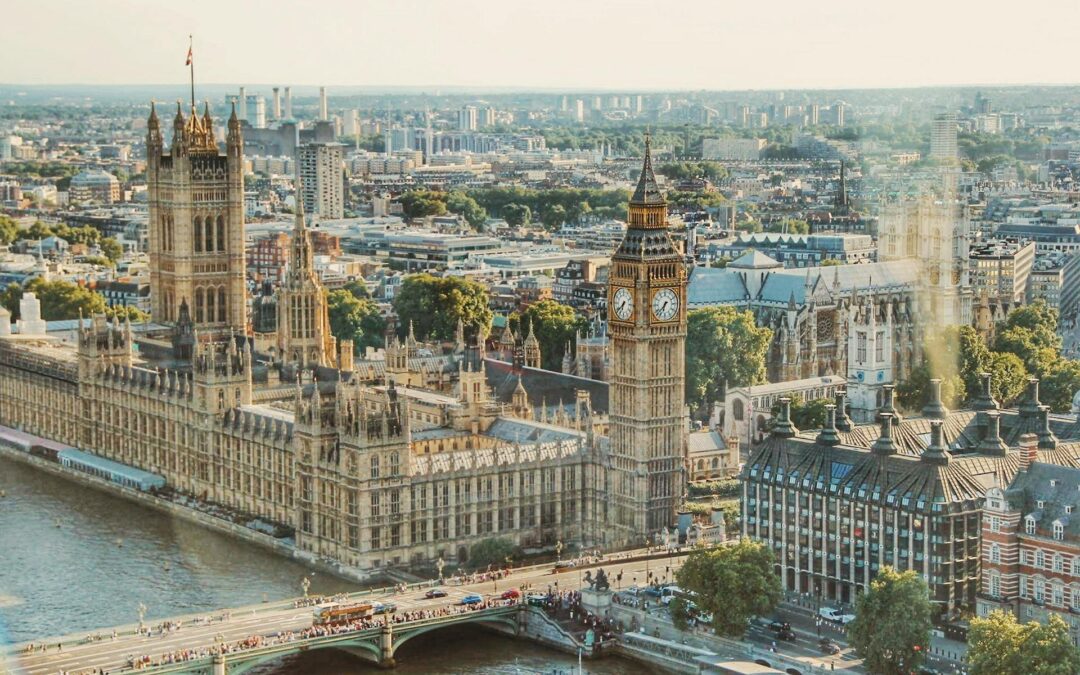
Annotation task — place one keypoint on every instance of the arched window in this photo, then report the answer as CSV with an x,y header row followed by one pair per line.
x,y
199,300
701,465
211,302
197,228
220,233
716,462
737,410
221,303
209,233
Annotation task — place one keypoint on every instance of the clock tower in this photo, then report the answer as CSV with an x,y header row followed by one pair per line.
x,y
647,329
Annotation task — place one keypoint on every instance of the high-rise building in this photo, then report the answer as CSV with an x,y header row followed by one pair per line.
x,y
487,117
579,111
647,328
321,166
468,118
196,231
943,138
322,103
303,325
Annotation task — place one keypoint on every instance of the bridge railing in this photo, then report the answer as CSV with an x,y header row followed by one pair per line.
x,y
289,645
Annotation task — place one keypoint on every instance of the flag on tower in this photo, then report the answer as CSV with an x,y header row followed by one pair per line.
x,y
188,62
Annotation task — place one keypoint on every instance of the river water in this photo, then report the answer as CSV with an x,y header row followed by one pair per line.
x,y
74,560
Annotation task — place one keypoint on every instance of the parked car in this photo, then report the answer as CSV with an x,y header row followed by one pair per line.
x,y
536,599
435,593
836,614
829,646
472,599
511,594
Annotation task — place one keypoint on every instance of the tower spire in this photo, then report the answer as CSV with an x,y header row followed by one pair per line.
x,y
647,191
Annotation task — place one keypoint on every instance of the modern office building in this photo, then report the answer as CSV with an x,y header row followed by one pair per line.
x,y
943,139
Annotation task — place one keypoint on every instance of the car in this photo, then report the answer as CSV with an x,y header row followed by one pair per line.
x,y
563,565
836,614
472,599
654,591
536,599
511,594
435,593
384,608
829,646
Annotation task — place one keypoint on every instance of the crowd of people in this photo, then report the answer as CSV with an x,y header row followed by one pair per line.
x,y
281,637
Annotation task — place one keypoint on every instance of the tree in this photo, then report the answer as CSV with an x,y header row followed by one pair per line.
x,y
122,312
9,229
733,583
999,645
60,300
111,249
358,288
517,214
554,324
553,217
1008,377
492,551
723,345
435,304
38,230
830,262
914,392
1057,388
680,613
1030,332
422,203
891,630
805,415
356,319
464,205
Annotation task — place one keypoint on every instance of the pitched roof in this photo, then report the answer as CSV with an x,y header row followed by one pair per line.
x,y
647,191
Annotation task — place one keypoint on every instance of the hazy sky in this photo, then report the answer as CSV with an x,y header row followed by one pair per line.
x,y
603,44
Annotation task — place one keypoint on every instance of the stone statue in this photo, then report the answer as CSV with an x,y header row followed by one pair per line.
x,y
600,583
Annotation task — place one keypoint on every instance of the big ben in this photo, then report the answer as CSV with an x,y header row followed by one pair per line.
x,y
647,328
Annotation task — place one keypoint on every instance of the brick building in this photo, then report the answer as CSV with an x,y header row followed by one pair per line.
x,y
1031,542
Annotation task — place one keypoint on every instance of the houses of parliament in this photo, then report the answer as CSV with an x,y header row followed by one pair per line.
x,y
381,463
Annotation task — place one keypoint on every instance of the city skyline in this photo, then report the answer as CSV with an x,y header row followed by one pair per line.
x,y
732,48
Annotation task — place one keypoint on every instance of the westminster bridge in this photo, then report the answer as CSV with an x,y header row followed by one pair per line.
x,y
231,642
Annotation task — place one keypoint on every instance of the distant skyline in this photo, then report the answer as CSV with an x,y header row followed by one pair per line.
x,y
558,44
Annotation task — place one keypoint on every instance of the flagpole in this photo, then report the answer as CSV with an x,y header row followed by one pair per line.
x,y
191,63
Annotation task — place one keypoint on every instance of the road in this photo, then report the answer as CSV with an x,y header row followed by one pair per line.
x,y
74,654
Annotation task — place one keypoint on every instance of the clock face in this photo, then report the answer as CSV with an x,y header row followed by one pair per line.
x,y
665,304
623,304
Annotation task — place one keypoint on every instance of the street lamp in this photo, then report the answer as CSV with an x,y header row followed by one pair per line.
x,y
306,585
440,564
141,609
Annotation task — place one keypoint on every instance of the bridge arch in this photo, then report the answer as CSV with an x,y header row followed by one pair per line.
x,y
366,648
507,621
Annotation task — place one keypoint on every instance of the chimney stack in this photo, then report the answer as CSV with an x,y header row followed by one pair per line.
x,y
322,103
277,104
243,104
783,428
828,435
1029,452
288,102
991,443
934,408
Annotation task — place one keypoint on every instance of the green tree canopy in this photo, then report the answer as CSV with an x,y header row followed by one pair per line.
x,y
492,551
805,414
723,344
712,171
356,319
999,645
554,324
435,304
9,229
422,203
465,206
891,630
517,214
914,392
111,249
1057,387
60,300
733,583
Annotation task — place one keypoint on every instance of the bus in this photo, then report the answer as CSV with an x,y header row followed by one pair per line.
x,y
330,613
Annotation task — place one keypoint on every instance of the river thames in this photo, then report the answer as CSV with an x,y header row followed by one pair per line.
x,y
76,560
